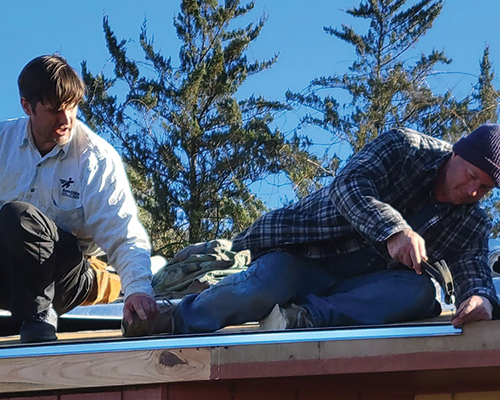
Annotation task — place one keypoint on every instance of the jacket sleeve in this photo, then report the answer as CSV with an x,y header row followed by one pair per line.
x,y
469,263
111,220
356,189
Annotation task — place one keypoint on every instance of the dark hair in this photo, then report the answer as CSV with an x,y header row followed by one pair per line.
x,y
50,79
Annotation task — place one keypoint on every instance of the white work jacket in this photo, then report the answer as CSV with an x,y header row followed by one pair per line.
x,y
82,186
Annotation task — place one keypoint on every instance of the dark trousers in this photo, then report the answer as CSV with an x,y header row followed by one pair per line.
x,y
40,264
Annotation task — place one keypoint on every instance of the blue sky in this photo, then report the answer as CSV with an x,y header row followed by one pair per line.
x,y
294,29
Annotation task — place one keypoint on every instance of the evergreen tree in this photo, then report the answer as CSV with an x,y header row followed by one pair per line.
x,y
454,118
192,148
484,102
384,89
486,96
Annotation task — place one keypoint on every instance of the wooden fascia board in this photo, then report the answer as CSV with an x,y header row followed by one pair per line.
x,y
103,369
477,347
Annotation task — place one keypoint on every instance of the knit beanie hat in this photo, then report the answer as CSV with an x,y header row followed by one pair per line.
x,y
482,149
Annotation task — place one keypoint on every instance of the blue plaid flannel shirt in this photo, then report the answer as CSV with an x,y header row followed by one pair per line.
x,y
371,199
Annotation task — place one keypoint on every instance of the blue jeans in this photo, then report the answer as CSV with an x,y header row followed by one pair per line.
x,y
350,289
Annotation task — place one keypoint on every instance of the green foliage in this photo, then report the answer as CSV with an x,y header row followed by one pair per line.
x,y
192,148
485,95
454,118
484,101
384,90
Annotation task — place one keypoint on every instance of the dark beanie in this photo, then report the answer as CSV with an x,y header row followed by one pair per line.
x,y
482,149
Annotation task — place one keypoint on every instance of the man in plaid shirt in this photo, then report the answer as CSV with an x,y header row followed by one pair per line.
x,y
350,254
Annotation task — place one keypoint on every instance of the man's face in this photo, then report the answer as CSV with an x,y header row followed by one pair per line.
x,y
465,183
49,126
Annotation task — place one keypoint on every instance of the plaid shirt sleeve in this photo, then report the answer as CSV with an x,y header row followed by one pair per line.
x,y
464,245
356,190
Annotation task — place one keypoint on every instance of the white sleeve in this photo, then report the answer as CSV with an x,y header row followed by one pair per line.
x,y
111,220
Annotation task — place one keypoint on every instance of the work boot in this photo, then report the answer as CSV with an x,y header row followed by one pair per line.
x,y
41,327
290,317
164,323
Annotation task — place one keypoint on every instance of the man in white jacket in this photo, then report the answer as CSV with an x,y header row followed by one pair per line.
x,y
64,197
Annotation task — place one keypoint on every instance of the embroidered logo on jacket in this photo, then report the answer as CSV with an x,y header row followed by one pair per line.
x,y
65,189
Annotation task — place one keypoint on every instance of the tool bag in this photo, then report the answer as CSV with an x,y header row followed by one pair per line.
x,y
107,285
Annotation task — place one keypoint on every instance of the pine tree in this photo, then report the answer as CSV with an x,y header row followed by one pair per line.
x,y
384,89
193,149
457,117
486,96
